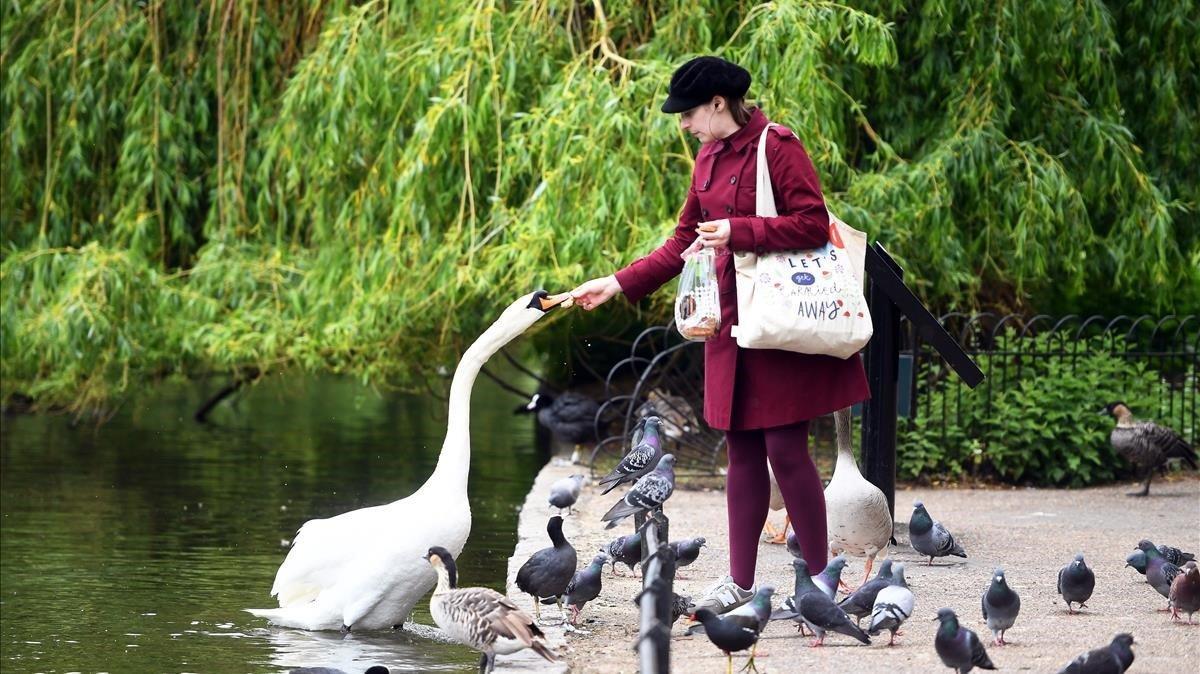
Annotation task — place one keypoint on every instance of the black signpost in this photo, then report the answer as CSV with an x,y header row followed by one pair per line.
x,y
889,299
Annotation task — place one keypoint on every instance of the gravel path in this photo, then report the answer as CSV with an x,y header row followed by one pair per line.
x,y
1031,532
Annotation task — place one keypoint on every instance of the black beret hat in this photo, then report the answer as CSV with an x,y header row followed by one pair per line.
x,y
698,80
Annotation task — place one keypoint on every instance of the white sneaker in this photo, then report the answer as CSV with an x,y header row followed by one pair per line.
x,y
724,596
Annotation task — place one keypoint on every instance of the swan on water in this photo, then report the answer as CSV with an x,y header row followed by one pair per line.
x,y
366,569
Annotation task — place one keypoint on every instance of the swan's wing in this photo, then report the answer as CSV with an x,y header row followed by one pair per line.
x,y
320,552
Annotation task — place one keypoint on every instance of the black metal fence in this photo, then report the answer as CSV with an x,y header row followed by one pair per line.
x,y
1012,346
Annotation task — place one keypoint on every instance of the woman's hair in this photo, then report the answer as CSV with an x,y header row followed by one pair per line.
x,y
737,108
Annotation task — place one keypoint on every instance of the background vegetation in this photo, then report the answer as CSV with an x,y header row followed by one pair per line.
x,y
237,185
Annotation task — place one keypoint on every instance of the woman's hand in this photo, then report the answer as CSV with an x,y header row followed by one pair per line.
x,y
713,234
596,292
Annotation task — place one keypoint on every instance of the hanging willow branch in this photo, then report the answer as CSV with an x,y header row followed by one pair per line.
x,y
356,187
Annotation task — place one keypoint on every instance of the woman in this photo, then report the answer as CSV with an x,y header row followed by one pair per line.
x,y
762,399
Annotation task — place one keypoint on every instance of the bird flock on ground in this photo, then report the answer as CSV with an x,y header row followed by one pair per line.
x,y
492,624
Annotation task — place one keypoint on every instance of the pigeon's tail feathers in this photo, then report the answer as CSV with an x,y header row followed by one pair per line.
x,y
852,630
783,613
957,550
619,511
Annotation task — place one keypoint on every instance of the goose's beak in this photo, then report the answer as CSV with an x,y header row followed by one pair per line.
x,y
545,301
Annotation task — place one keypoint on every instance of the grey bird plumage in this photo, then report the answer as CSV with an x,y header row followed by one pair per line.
x,y
1159,572
1137,559
687,550
642,458
565,492
585,586
1145,444
1000,605
817,611
648,493
929,537
626,550
479,617
1076,583
831,576
1114,658
547,572
804,583
893,605
861,602
958,647
1173,555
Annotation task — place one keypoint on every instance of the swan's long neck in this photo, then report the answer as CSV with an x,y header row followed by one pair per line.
x,y
453,464
845,460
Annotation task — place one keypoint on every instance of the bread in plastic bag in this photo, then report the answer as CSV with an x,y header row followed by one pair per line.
x,y
697,305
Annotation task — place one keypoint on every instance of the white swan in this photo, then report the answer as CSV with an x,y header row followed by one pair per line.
x,y
856,511
366,569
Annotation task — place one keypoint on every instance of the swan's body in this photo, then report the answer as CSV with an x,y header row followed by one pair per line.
x,y
365,569
857,514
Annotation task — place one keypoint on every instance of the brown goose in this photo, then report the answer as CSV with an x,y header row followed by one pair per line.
x,y
1145,444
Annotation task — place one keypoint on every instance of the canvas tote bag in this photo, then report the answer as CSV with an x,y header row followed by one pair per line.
x,y
808,301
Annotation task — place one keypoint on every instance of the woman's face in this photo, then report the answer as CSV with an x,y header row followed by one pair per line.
x,y
700,123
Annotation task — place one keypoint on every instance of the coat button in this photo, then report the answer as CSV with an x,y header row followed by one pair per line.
x,y
704,213
732,180
729,210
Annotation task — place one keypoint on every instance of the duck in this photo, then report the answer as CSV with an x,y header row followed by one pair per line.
x,y
480,617
857,514
363,569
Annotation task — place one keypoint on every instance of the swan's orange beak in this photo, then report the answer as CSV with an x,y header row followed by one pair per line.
x,y
545,301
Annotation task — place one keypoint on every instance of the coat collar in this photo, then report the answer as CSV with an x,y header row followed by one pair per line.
x,y
753,129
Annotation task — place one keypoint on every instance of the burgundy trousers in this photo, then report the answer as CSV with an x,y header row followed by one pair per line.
x,y
748,495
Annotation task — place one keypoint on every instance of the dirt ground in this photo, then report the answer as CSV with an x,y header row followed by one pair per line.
x,y
1030,532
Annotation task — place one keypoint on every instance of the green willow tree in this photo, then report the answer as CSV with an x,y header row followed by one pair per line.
x,y
256,184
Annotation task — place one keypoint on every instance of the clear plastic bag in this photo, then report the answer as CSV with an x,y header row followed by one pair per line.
x,y
698,305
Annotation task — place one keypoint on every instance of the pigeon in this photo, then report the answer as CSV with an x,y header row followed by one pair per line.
x,y
929,537
753,615
1185,592
727,635
818,611
1111,659
1159,572
804,583
893,605
1076,582
959,648
1137,559
647,494
1145,444
793,545
480,617
861,602
626,550
681,605
1174,555
565,492
1000,605
829,579
547,572
585,586
687,550
640,460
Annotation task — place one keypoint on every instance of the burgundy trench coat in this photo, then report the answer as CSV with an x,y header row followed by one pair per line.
x,y
753,388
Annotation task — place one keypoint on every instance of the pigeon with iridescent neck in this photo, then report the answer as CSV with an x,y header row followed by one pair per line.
x,y
861,602
1159,572
1076,582
1000,604
929,537
641,459
829,579
959,648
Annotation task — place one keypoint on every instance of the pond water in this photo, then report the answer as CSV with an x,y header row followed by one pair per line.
x,y
135,545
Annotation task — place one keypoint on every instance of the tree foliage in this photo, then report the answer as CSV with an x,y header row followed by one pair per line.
x,y
227,184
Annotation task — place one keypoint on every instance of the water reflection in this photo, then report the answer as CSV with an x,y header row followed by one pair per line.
x,y
134,547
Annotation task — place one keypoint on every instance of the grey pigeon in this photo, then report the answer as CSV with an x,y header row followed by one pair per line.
x,y
1145,444
959,648
1174,555
585,586
1159,572
1111,659
817,610
626,550
1076,582
1000,604
687,550
793,544
861,602
565,492
640,460
893,605
648,493
803,584
546,574
1137,559
1185,592
829,579
929,537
